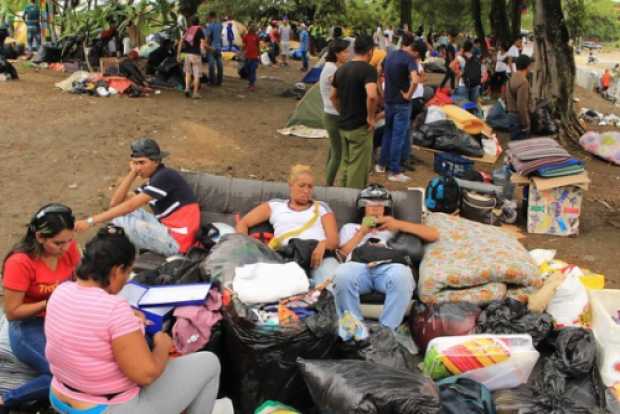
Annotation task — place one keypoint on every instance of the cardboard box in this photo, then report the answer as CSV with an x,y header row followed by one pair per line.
x,y
554,204
109,63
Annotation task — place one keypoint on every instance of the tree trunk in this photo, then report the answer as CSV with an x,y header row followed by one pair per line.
x,y
499,22
405,13
554,69
476,11
515,10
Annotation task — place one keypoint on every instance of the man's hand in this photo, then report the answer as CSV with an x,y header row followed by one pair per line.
x,y
388,223
317,255
405,96
133,168
372,122
81,226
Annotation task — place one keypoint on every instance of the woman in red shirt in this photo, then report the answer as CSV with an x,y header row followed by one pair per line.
x,y
45,257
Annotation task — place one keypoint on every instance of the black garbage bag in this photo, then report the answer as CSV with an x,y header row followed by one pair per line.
x,y
381,347
512,317
262,360
428,322
420,138
465,396
447,137
234,250
542,120
6,68
178,270
350,386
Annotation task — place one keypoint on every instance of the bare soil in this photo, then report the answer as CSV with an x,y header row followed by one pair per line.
x,y
56,146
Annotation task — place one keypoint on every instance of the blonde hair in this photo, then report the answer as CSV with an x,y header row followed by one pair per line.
x,y
297,170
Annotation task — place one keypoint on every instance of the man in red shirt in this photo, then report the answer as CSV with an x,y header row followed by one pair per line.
x,y
251,48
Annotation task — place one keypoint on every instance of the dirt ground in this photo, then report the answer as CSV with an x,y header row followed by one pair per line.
x,y
56,146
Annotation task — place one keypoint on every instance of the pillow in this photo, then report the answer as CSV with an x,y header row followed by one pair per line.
x,y
474,262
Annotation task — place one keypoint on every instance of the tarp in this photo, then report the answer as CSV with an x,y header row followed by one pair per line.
x,y
309,111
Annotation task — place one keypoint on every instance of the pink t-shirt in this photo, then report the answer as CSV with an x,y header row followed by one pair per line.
x,y
80,324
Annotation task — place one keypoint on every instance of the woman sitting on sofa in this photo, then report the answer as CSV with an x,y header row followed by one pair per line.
x,y
299,217
97,352
394,279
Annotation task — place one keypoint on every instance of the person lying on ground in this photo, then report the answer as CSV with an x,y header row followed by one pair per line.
x,y
98,355
355,278
45,257
299,217
175,222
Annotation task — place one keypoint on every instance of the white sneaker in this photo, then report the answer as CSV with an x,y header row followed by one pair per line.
x,y
398,178
223,406
379,169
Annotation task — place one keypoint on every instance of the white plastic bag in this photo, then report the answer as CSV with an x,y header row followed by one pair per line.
x,y
434,114
269,282
570,302
497,361
265,60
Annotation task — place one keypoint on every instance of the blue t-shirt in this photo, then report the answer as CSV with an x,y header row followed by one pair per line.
x,y
304,41
32,16
397,68
213,34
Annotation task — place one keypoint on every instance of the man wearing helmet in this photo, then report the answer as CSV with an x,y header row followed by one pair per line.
x,y
390,277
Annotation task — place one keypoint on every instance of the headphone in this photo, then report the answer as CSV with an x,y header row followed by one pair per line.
x,y
53,208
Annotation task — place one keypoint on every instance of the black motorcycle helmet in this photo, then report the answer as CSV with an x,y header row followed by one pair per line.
x,y
375,193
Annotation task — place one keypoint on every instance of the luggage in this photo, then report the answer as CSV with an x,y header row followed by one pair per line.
x,y
451,165
443,195
478,207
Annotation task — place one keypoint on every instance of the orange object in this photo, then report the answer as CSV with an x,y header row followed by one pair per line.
x,y
286,316
606,79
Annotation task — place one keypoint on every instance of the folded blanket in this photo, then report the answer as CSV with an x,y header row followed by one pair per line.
x,y
560,171
473,262
528,167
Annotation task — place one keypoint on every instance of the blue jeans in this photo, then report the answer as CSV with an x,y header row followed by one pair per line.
x,y
395,136
216,67
146,232
394,280
27,339
34,39
472,94
252,65
327,269
304,60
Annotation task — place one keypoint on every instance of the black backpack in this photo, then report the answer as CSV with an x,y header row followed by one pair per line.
x,y
443,195
472,74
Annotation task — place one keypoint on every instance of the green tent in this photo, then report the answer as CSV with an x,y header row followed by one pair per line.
x,y
309,111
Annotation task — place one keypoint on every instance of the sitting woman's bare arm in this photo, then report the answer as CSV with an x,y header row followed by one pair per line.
x,y
257,216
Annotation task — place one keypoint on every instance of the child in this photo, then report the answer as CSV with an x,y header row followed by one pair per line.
x,y
251,48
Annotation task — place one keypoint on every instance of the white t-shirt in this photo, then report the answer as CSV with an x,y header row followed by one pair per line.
x,y
283,220
325,84
419,90
349,230
285,33
501,66
514,53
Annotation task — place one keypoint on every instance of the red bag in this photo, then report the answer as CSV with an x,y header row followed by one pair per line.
x,y
449,319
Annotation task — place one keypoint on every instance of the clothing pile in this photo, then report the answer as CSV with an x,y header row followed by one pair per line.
x,y
543,157
82,83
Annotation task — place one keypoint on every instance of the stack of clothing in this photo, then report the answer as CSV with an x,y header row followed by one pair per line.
x,y
543,157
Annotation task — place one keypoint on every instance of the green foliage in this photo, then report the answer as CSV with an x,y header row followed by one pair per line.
x,y
592,19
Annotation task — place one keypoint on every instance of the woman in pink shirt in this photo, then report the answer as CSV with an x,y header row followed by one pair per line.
x,y
97,352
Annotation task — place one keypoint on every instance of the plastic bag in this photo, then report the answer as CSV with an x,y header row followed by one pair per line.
x,y
513,317
176,270
497,361
434,114
261,360
569,306
349,386
542,121
382,348
420,139
428,322
447,137
465,396
235,250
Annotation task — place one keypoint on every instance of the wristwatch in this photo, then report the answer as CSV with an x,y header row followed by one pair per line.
x,y
90,221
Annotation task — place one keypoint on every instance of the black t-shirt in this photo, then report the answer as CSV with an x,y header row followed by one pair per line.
x,y
397,68
350,81
169,190
194,48
450,53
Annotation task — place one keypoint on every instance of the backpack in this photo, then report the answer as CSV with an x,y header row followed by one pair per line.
x,y
472,73
465,396
443,195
